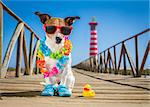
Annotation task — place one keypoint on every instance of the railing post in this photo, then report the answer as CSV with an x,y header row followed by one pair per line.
x,y
10,49
145,57
91,64
105,62
137,58
34,56
19,53
115,62
96,64
101,64
109,60
37,69
1,36
31,52
25,56
124,61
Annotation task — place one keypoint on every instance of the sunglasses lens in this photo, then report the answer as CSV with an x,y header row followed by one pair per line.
x,y
51,29
65,30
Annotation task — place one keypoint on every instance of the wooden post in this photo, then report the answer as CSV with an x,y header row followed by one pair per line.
x,y
105,62
101,64
37,69
19,54
25,56
137,57
115,60
10,49
110,67
31,51
1,36
145,56
130,61
95,64
98,62
120,57
124,62
34,55
91,65
109,61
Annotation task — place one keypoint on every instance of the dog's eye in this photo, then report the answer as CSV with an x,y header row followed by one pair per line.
x,y
50,29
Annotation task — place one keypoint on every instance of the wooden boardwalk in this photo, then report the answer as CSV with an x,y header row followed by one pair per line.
x,y
111,91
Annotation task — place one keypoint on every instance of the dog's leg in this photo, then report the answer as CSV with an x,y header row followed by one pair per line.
x,y
67,77
50,80
66,72
70,81
64,77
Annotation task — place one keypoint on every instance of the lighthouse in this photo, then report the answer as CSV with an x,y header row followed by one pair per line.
x,y
93,38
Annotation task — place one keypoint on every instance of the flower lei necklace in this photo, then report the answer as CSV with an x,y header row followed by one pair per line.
x,y
61,56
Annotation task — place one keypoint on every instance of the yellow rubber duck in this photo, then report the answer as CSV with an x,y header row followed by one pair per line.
x,y
87,91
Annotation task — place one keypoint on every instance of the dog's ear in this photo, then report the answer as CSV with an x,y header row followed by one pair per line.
x,y
69,20
43,17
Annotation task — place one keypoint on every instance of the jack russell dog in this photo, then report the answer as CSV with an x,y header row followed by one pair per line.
x,y
55,55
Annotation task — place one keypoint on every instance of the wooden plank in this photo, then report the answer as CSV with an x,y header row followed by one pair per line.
x,y
27,90
25,56
10,49
1,36
34,56
19,54
31,51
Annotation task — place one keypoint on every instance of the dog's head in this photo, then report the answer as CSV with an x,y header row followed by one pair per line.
x,y
56,28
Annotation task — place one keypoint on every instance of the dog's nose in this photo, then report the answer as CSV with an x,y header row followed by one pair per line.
x,y
58,40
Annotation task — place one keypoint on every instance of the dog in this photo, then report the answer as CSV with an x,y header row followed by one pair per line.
x,y
55,55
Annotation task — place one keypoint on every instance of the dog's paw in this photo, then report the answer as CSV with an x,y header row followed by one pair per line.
x,y
48,90
63,91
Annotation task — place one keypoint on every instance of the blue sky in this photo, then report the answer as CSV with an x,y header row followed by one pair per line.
x,y
117,20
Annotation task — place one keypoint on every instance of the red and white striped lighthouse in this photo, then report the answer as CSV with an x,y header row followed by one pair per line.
x,y
93,39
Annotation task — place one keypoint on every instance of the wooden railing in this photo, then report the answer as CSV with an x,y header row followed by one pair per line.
x,y
21,46
105,62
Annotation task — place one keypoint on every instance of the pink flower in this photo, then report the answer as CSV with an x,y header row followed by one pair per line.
x,y
53,72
